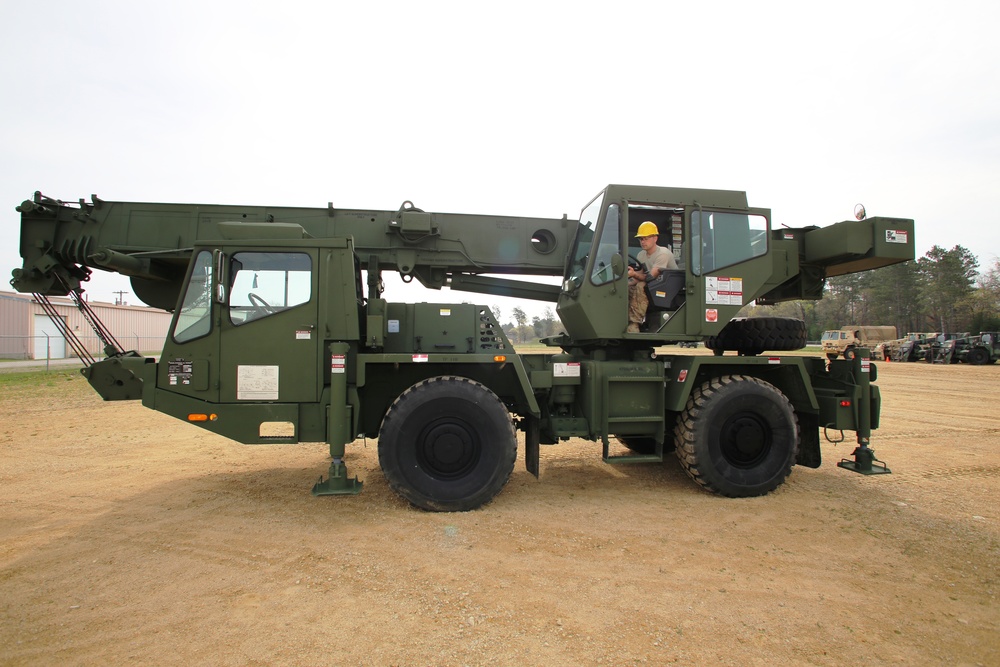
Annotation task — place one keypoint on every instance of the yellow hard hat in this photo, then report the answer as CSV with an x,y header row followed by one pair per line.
x,y
647,229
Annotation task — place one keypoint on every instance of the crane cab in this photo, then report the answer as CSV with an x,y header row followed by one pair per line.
x,y
721,246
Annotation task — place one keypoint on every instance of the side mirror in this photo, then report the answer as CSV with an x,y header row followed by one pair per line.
x,y
617,266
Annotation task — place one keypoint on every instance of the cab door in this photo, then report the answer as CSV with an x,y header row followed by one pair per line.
x,y
269,350
729,256
189,364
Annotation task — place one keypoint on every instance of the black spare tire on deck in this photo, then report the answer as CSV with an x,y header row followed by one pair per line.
x,y
753,335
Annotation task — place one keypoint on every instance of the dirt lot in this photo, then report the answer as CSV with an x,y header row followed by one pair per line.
x,y
127,537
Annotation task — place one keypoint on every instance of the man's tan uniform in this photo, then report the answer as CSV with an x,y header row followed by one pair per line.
x,y
638,301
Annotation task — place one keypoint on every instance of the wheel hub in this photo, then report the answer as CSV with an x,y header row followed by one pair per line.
x,y
746,440
447,450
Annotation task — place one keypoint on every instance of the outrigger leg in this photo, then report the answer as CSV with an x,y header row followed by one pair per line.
x,y
338,429
864,457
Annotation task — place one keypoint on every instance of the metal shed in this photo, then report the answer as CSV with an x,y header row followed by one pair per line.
x,y
27,333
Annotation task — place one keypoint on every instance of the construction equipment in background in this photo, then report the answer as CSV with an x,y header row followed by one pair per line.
x,y
901,349
937,349
978,350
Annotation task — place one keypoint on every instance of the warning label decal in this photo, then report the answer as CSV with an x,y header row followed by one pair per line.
x,y
723,291
896,236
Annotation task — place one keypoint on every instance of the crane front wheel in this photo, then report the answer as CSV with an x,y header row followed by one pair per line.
x,y
447,444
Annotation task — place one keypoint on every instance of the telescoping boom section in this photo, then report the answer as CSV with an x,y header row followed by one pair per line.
x,y
282,332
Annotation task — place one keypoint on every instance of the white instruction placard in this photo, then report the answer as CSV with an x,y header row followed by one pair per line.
x,y
256,383
566,370
896,236
723,291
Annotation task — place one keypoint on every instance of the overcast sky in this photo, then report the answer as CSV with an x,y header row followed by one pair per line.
x,y
513,108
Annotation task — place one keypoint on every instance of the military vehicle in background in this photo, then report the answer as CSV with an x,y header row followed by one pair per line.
x,y
282,333
937,349
983,348
844,341
978,350
901,349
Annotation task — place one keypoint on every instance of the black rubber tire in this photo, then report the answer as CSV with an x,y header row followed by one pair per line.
x,y
752,335
447,444
738,436
977,356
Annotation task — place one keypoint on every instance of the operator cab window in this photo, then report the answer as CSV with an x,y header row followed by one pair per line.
x,y
720,239
669,221
194,318
607,247
266,283
582,243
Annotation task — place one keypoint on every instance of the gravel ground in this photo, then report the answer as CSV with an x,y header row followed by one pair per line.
x,y
127,537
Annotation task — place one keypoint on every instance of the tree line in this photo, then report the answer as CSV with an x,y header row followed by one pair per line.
x,y
520,330
942,291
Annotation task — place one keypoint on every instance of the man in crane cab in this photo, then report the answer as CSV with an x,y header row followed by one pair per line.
x,y
653,260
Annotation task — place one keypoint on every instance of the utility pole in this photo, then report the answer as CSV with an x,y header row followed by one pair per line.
x,y
120,301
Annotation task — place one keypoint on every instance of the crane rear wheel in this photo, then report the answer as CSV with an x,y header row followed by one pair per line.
x,y
737,436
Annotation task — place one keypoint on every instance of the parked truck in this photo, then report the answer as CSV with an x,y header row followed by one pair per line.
x,y
844,341
282,333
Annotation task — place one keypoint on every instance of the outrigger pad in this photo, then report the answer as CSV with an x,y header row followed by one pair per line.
x,y
338,483
865,463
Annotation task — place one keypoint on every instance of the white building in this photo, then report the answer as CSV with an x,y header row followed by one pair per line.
x,y
27,332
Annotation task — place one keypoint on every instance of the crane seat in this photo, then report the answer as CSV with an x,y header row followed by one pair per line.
x,y
666,291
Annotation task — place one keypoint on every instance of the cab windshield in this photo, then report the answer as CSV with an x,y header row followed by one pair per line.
x,y
583,242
